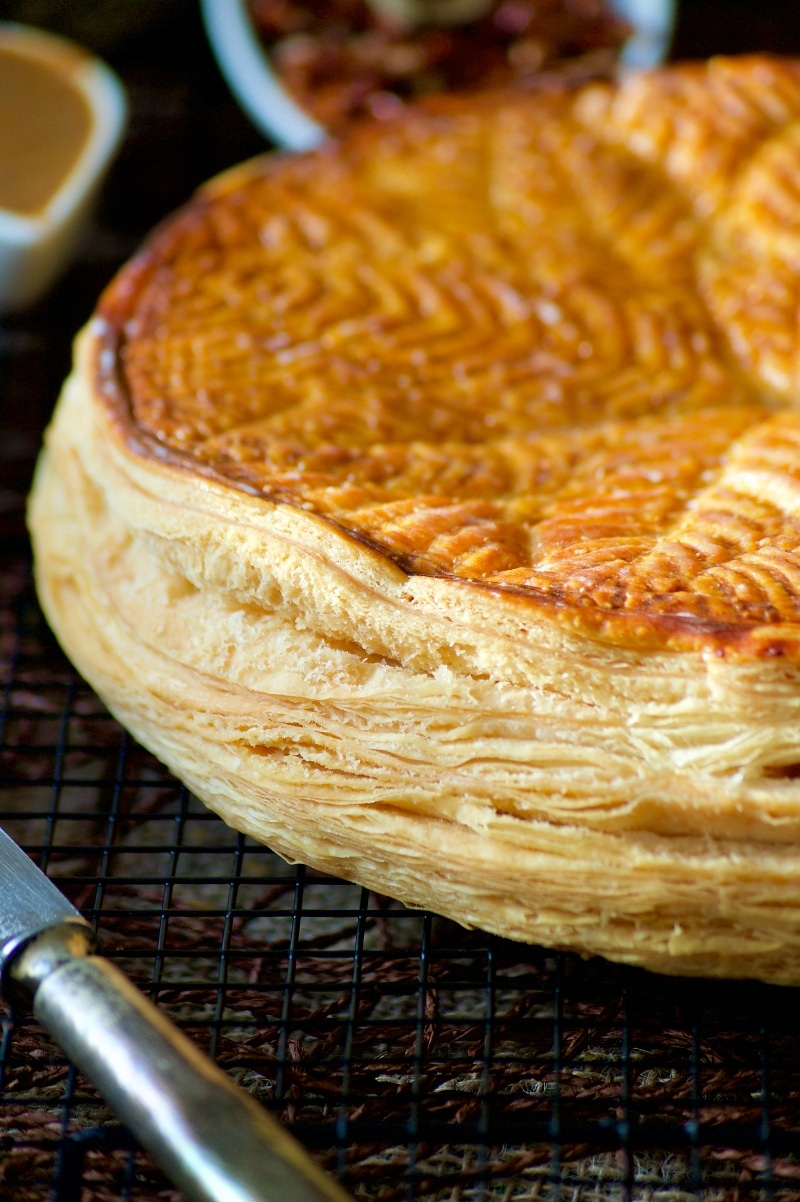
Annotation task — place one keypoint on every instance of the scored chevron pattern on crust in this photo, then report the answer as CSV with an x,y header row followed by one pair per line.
x,y
547,343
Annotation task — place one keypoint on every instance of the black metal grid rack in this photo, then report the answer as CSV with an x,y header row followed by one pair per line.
x,y
416,1060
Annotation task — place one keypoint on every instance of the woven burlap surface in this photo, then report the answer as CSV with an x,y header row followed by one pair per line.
x,y
416,1059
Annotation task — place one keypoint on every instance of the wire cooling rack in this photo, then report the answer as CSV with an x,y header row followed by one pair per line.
x,y
416,1061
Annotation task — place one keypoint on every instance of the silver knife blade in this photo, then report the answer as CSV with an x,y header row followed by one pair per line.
x,y
29,901
215,1141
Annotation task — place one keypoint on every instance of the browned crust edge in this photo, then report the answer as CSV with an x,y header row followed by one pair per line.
x,y
632,629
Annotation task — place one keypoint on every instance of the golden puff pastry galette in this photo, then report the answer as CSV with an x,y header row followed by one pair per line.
x,y
430,505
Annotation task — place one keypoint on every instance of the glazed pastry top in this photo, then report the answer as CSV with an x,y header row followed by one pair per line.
x,y
547,345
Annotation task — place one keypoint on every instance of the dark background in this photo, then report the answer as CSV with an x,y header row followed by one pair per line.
x,y
707,27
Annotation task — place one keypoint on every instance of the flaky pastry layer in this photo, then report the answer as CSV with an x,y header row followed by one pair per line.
x,y
429,505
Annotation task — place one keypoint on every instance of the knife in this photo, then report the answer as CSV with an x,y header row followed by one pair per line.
x,y
213,1140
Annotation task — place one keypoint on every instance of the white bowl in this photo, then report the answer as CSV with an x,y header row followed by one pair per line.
x,y
245,65
35,247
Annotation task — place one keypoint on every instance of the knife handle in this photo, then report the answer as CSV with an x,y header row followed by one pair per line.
x,y
215,1141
